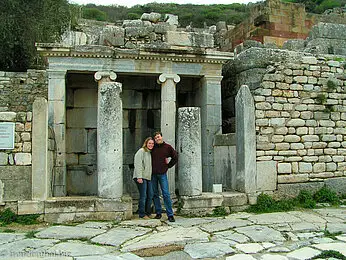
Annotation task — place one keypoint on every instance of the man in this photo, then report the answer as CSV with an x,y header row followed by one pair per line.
x,y
159,156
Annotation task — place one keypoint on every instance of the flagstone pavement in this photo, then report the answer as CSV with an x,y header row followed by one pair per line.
x,y
300,234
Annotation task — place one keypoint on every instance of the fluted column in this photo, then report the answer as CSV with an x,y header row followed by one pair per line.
x,y
168,116
109,136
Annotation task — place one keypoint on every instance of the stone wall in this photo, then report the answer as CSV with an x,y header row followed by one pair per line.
x,y
300,114
273,22
18,91
151,31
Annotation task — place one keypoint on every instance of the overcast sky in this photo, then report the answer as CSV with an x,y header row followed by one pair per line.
x,y
130,3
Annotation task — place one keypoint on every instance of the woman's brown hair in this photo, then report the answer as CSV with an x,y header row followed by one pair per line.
x,y
144,146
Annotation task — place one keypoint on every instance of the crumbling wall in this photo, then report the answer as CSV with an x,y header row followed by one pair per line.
x,y
151,31
300,114
275,22
18,92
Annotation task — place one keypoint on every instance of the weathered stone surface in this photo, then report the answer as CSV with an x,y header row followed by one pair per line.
x,y
208,250
77,248
266,175
69,232
190,151
117,236
260,233
170,237
246,141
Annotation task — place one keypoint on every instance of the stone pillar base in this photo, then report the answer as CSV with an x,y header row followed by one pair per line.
x,y
76,209
204,204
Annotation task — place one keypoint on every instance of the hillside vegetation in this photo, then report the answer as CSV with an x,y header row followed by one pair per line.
x,y
189,14
194,15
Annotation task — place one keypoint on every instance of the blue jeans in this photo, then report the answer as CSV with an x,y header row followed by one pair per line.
x,y
145,198
162,179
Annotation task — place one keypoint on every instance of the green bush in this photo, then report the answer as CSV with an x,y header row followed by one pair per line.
x,y
325,195
8,216
306,200
219,212
266,204
330,254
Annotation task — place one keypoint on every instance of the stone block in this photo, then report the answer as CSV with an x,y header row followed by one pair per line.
x,y
92,140
81,118
225,166
266,175
192,39
30,207
337,184
56,112
3,158
16,182
76,140
85,98
22,158
293,189
81,180
112,35
69,205
132,99
107,205
8,116
206,200
231,199
88,159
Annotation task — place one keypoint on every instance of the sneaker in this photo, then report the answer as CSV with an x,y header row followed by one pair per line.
x,y
158,216
171,219
145,217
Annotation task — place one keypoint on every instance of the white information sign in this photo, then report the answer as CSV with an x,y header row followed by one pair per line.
x,y
7,135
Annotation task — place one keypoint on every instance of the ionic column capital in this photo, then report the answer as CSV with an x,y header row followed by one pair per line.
x,y
164,76
106,76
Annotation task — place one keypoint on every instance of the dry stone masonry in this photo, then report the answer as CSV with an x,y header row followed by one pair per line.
x,y
259,119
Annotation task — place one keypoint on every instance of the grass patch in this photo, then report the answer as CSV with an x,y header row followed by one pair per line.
x,y
331,235
7,217
325,195
219,212
30,234
8,230
330,254
266,204
305,199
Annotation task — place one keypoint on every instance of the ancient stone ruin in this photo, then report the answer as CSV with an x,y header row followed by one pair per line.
x,y
248,109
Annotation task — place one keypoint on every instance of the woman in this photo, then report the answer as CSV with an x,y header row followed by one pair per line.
x,y
142,177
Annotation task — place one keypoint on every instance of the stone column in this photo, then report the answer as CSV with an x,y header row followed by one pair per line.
x,y
190,151
109,136
57,120
246,141
41,179
168,116
211,118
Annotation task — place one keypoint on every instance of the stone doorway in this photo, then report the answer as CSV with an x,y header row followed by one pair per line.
x,y
141,98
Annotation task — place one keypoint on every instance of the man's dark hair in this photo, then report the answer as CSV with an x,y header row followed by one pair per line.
x,y
157,133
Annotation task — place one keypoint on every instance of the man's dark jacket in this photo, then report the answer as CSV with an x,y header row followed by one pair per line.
x,y
158,156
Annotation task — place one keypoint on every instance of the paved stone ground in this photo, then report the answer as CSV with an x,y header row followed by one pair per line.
x,y
243,236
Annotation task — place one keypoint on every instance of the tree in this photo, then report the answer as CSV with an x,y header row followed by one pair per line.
x,y
23,23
